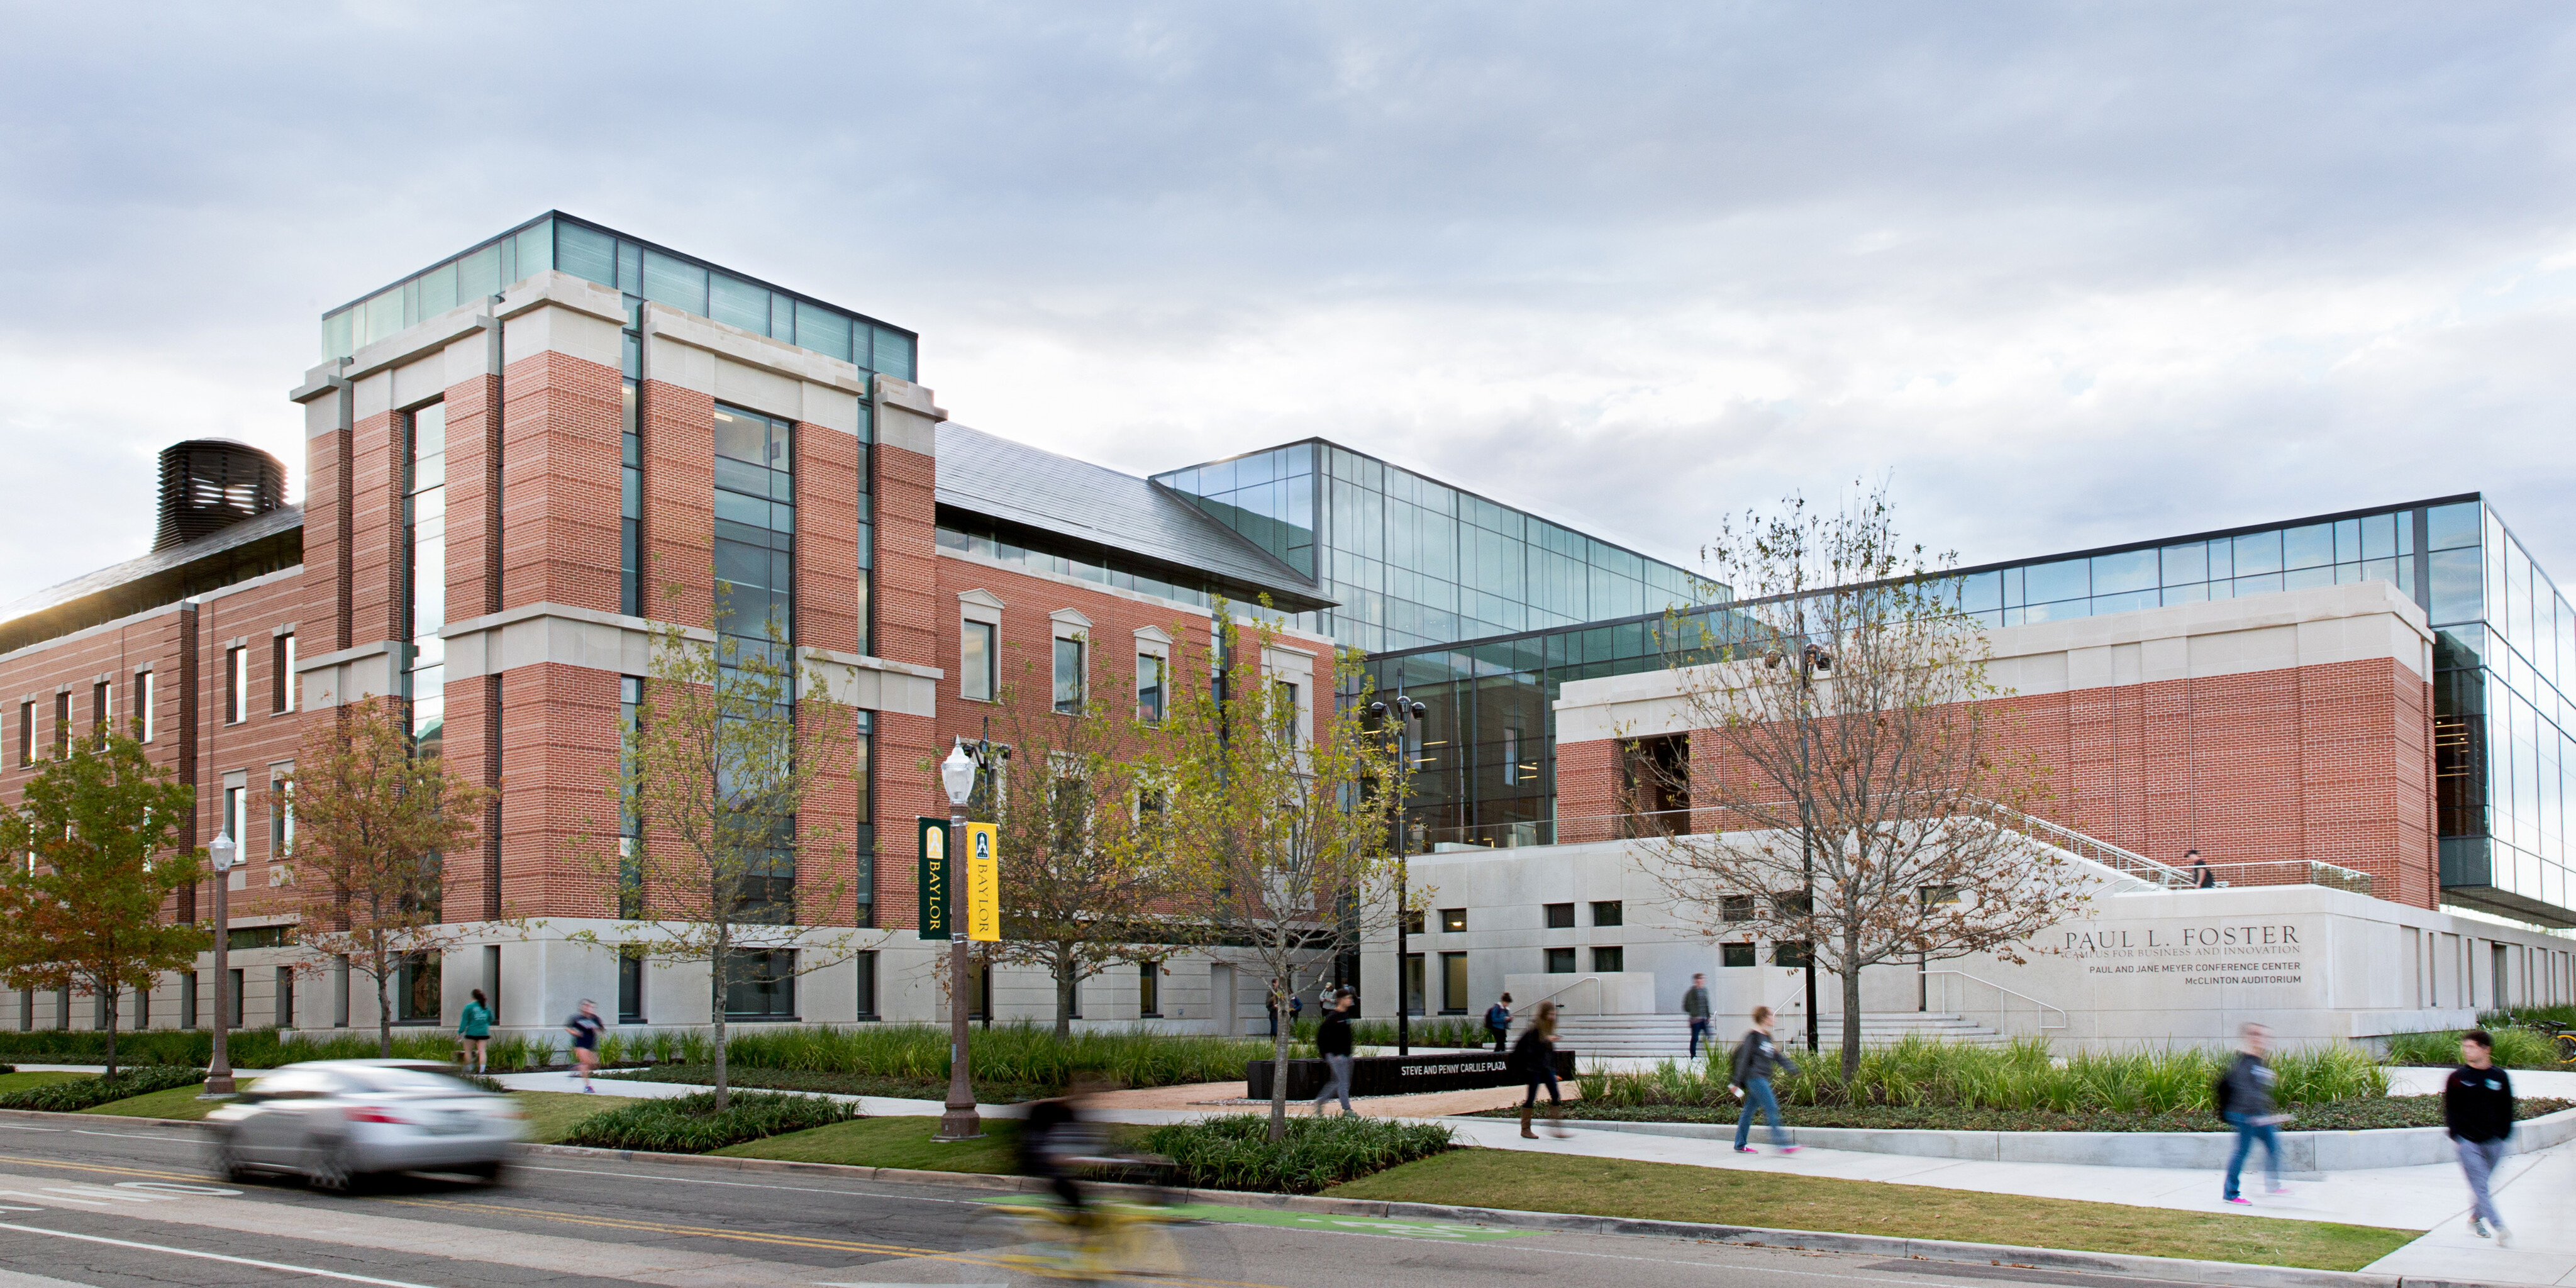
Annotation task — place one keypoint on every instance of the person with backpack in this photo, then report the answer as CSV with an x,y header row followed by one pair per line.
x,y
1756,1058
1695,1005
474,1029
1333,1042
1534,1057
1498,1021
2244,1096
2477,1110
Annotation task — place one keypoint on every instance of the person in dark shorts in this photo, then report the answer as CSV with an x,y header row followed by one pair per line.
x,y
585,1027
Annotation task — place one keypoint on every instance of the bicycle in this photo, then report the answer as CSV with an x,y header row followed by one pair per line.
x,y
1106,1238
2562,1038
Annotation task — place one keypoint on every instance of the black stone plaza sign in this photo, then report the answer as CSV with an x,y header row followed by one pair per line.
x,y
1387,1075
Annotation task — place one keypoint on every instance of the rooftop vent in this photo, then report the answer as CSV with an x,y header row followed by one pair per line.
x,y
208,484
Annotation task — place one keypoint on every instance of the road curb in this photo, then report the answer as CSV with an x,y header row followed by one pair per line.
x,y
2172,1268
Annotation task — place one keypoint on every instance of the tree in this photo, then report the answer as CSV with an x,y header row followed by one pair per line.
x,y
1865,796
1278,836
91,846
372,822
1082,888
719,765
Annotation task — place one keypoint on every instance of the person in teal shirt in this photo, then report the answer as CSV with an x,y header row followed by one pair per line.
x,y
475,1026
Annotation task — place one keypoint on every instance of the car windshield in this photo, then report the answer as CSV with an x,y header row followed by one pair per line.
x,y
410,1081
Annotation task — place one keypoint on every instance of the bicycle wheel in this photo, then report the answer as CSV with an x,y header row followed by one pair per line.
x,y
1135,1239
2566,1048
1012,1241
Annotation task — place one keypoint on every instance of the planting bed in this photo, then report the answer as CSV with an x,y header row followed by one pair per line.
x,y
841,1084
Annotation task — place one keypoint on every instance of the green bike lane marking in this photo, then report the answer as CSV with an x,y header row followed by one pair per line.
x,y
1446,1231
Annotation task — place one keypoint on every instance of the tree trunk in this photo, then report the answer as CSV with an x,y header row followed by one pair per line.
x,y
1065,982
1279,1072
384,1010
111,1030
716,982
1851,1009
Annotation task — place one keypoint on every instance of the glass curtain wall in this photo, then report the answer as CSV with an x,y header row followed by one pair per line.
x,y
2505,650
1412,561
755,581
425,572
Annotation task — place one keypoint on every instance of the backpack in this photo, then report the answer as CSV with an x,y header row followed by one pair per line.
x,y
2218,1091
1497,1018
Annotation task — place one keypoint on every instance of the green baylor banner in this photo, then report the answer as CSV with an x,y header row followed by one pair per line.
x,y
932,878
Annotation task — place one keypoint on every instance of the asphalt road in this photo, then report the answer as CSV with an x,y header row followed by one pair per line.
x,y
130,1204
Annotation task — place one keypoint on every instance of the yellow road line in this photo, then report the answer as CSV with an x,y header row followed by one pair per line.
x,y
102,1167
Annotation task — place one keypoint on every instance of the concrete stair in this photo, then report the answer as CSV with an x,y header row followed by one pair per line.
x,y
1886,1028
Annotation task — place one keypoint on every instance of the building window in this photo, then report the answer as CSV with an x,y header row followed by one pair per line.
x,y
1068,676
630,508
63,723
975,657
236,685
630,989
281,817
281,662
755,499
1609,961
867,534
1453,983
187,999
233,1003
630,813
1149,688
1736,955
1735,907
1560,916
867,963
1608,912
26,733
1654,785
418,989
235,822
761,985
286,997
1785,953
1560,961
1412,921
425,575
1453,920
1284,695
1149,990
101,704
864,888
143,1006
143,702
1511,757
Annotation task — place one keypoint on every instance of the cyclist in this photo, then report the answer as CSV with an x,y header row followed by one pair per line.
x,y
1055,1134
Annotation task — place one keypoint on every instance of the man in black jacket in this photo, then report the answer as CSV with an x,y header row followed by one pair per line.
x,y
2477,1108
1333,1042
1756,1058
2245,1101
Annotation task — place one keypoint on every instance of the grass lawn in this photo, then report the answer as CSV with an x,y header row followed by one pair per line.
x,y
178,1103
22,1081
552,1113
1502,1178
892,1142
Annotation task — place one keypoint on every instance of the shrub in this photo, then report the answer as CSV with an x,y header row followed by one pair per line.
x,y
691,1124
839,1084
1013,1053
1235,1152
1918,1072
89,1093
2563,1013
2514,1049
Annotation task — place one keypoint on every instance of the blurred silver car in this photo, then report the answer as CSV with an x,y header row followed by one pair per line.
x,y
336,1122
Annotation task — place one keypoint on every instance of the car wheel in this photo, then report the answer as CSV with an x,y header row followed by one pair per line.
x,y
495,1172
227,1162
333,1170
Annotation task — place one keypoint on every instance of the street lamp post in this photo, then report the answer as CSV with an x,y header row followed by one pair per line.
x,y
958,1122
1405,711
219,1074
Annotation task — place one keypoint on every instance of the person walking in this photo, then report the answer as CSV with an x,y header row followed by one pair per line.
x,y
1296,1011
1498,1021
1695,1005
474,1028
1333,1042
1756,1058
584,1026
2202,877
1535,1057
2244,1096
1271,1004
2477,1109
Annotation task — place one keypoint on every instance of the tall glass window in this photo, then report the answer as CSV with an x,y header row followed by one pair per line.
x,y
1068,676
864,887
425,572
755,567
630,815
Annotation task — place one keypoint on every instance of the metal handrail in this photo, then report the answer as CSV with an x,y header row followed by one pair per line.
x,y
2039,1009
2082,845
1593,980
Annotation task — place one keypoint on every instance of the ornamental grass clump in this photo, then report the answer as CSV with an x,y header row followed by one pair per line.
x,y
1019,1053
1920,1073
1235,1152
2514,1049
693,1124
89,1093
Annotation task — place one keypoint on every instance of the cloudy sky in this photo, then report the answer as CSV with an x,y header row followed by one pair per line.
x,y
2067,275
